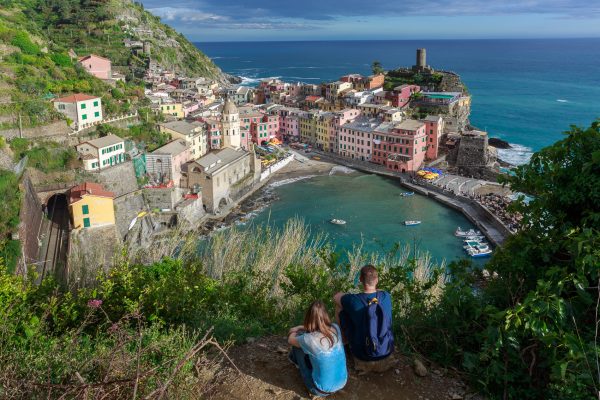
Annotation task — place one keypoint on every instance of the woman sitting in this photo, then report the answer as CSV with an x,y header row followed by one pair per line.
x,y
318,352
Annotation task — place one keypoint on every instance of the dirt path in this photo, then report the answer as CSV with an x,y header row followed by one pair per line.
x,y
267,374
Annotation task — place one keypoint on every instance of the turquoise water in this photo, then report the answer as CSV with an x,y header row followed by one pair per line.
x,y
374,213
524,91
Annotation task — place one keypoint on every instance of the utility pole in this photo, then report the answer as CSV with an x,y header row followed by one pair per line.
x,y
20,126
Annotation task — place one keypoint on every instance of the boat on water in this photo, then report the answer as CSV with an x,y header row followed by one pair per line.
x,y
476,246
411,223
407,194
471,232
475,253
473,237
336,221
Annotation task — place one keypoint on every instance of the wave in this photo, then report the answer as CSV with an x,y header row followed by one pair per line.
x,y
341,169
290,180
516,154
562,100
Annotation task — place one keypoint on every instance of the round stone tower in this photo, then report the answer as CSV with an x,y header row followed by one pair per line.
x,y
421,58
230,119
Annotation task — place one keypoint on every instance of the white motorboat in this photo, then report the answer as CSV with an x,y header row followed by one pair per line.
x,y
479,253
411,223
407,194
336,221
471,232
476,246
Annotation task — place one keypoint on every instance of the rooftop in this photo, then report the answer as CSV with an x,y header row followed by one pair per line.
x,y
184,127
74,98
76,193
105,141
172,148
212,162
409,125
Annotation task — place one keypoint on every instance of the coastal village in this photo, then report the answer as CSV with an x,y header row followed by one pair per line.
x,y
225,140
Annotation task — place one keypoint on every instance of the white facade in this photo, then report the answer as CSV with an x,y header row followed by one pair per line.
x,y
231,126
101,153
82,109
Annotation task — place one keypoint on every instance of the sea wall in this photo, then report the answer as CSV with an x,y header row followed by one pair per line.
x,y
276,167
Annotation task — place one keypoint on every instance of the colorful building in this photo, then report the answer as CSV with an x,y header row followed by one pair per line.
x,y
164,164
82,109
172,108
401,146
401,95
355,138
101,153
194,133
91,206
434,125
307,123
98,66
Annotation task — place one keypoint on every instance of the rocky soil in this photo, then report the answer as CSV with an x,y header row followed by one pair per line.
x,y
265,373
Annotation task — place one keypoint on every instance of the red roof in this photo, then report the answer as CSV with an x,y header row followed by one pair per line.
x,y
76,193
312,98
90,56
74,98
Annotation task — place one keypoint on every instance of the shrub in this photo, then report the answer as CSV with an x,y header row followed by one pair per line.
x,y
62,60
23,42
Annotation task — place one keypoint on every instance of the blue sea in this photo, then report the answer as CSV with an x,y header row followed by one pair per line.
x,y
524,91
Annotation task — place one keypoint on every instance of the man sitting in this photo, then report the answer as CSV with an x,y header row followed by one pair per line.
x,y
366,322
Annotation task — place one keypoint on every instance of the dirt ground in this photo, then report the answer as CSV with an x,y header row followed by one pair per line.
x,y
266,373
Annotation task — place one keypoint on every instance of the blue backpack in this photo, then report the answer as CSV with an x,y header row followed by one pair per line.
x,y
379,342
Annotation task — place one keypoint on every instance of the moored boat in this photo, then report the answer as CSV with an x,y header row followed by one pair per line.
x,y
411,223
336,221
406,194
475,253
471,232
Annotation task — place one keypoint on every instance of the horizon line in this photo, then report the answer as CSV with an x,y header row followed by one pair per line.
x,y
392,40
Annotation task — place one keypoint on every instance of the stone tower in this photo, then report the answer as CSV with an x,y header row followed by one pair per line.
x,y
230,121
421,58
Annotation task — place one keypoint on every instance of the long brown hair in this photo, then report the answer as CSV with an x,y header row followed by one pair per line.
x,y
316,319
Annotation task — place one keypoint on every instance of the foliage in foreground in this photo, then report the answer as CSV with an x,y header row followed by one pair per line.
x,y
526,331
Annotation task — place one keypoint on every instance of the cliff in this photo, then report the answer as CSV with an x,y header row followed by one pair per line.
x,y
40,40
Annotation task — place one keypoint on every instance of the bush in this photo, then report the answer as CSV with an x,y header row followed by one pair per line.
x,y
62,60
23,42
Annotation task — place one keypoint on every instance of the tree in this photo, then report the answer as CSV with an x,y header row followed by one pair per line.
x,y
377,68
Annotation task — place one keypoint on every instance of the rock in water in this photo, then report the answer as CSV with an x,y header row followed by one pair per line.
x,y
419,368
499,143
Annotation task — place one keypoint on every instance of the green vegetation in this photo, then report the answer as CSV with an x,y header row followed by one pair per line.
x,y
146,133
527,330
9,217
39,34
45,156
376,68
399,77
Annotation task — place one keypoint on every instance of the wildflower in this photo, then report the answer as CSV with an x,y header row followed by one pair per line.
x,y
94,303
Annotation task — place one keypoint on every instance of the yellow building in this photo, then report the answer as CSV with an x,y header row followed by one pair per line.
x,y
324,129
174,109
307,122
90,206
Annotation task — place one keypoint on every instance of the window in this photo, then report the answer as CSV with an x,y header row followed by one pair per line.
x,y
86,223
84,116
96,114
96,103
83,106
61,106
85,209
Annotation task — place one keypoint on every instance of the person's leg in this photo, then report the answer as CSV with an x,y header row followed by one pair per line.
x,y
298,357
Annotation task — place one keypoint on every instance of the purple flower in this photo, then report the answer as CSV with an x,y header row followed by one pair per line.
x,y
94,303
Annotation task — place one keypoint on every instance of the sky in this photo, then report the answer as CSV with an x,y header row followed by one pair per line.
x,y
266,20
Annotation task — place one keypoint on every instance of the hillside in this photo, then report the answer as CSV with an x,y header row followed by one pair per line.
x,y
39,41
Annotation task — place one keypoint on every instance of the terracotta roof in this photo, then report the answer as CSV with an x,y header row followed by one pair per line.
x,y
74,98
92,55
76,193
312,98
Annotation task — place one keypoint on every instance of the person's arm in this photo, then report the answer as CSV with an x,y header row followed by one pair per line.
x,y
337,299
293,339
295,329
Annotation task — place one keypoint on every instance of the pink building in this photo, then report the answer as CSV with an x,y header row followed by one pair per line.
x,y
434,125
98,66
355,138
400,147
400,96
265,129
341,118
214,128
164,164
288,124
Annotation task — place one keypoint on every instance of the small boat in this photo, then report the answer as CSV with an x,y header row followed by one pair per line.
x,y
406,194
473,237
479,253
471,232
411,223
476,246
336,221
